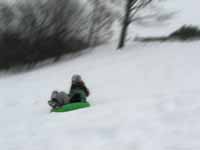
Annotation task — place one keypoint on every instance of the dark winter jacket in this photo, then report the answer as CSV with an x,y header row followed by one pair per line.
x,y
78,92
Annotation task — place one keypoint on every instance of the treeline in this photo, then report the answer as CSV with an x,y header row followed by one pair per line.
x,y
186,32
31,31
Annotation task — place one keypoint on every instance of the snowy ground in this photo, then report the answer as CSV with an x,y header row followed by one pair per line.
x,y
145,97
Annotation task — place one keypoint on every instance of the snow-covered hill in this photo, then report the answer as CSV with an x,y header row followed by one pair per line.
x,y
143,97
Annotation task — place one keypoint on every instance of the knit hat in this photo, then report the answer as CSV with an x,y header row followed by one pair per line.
x,y
76,78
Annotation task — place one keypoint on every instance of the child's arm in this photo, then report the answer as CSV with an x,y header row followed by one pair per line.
x,y
86,89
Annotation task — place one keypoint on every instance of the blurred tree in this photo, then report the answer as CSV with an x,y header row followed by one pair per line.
x,y
132,7
100,24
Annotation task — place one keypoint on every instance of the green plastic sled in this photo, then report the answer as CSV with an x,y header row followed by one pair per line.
x,y
71,106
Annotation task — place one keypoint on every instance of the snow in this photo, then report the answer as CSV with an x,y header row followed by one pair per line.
x,y
143,97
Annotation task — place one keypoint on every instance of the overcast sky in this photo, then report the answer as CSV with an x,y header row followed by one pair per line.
x,y
188,12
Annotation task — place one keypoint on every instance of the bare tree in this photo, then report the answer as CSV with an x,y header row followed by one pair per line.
x,y
100,23
132,8
31,31
6,16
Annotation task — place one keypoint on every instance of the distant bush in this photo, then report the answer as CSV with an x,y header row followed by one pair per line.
x,y
32,31
183,33
16,51
151,39
186,32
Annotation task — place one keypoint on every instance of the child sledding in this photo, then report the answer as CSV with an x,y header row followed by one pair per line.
x,y
61,102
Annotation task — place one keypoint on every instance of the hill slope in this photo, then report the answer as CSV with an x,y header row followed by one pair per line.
x,y
144,97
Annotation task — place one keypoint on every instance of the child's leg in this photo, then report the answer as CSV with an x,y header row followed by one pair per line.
x,y
65,97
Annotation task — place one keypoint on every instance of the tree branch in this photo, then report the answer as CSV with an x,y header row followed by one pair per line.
x,y
142,17
142,5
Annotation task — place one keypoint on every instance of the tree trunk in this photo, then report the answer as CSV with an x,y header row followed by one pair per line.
x,y
123,35
124,26
126,23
